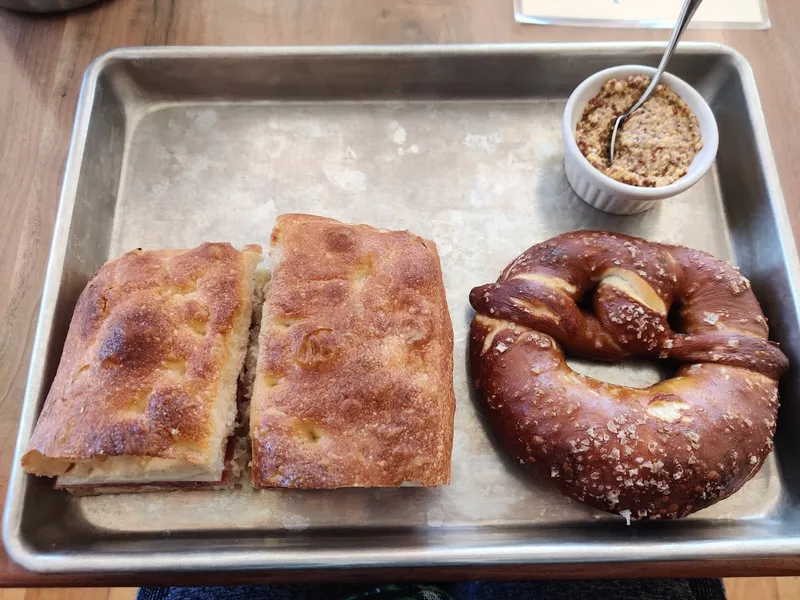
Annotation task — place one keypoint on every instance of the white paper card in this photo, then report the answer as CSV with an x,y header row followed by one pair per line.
x,y
641,13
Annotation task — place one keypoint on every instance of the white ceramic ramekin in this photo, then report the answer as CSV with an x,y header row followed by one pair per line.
x,y
610,195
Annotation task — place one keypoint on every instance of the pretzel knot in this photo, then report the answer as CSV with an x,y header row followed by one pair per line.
x,y
660,452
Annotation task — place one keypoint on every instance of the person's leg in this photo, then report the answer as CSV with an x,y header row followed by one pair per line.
x,y
611,589
656,589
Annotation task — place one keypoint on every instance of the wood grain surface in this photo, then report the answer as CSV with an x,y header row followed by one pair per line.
x,y
71,594
42,59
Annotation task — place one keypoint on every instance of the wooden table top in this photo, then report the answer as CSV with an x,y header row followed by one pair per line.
x,y
42,60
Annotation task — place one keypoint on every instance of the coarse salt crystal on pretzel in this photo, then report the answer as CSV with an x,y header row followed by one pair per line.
x,y
662,452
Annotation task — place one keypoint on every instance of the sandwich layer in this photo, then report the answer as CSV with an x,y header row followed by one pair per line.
x,y
354,377
146,387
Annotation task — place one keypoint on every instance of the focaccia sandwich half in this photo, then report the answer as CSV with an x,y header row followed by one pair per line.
x,y
354,378
145,396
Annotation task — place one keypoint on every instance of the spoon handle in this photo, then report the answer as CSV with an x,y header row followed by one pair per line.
x,y
687,12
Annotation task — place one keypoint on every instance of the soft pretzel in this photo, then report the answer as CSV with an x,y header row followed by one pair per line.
x,y
660,452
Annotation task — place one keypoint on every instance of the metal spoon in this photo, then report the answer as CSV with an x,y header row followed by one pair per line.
x,y
687,12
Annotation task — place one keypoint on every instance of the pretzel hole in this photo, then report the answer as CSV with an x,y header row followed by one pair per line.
x,y
674,317
586,302
628,373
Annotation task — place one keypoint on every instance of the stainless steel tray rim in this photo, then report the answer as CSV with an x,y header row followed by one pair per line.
x,y
506,555
383,50
772,180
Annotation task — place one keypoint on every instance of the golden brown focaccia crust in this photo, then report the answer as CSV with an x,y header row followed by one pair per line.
x,y
150,363
354,384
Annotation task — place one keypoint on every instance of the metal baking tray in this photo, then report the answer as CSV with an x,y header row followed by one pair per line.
x,y
460,144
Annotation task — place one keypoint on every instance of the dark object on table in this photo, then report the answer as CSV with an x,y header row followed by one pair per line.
x,y
45,6
655,589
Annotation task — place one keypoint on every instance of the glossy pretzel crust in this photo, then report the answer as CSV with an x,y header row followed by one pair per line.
x,y
661,452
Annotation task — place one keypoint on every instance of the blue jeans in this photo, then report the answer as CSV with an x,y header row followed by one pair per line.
x,y
654,589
